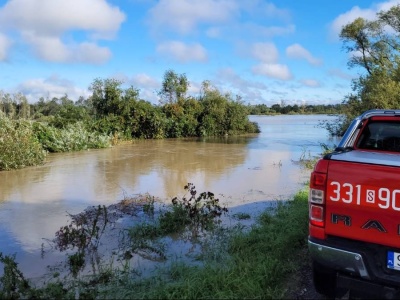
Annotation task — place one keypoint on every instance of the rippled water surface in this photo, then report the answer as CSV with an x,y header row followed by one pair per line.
x,y
240,170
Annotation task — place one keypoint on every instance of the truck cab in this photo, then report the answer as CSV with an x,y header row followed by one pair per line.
x,y
354,211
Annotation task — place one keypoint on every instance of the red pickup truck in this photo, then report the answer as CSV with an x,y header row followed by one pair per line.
x,y
354,211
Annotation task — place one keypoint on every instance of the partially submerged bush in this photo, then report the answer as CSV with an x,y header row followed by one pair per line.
x,y
19,146
252,263
73,137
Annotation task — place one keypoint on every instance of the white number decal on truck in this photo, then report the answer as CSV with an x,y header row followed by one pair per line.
x,y
349,193
346,189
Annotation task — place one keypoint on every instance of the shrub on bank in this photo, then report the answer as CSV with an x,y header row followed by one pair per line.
x,y
19,146
73,137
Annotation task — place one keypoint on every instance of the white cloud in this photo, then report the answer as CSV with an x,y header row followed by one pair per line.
x,y
386,5
340,74
268,31
298,52
357,12
265,8
5,44
43,23
148,86
89,52
145,81
53,17
184,15
349,17
182,52
54,86
265,52
214,32
277,71
249,90
310,83
53,49
221,17
236,81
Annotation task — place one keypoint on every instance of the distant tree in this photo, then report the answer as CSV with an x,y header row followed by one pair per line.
x,y
23,108
8,105
276,108
106,96
174,87
221,114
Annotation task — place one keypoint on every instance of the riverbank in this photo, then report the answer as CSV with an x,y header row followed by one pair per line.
x,y
219,261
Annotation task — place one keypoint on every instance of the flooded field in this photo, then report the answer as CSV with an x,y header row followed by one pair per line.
x,y
244,172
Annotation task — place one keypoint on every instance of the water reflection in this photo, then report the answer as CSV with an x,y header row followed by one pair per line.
x,y
240,170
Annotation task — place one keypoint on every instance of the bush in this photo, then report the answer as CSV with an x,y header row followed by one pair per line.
x,y
73,137
19,146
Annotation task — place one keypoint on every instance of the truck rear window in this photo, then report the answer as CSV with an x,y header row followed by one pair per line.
x,y
380,135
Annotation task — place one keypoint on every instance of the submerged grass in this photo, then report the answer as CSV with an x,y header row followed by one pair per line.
x,y
255,263
233,263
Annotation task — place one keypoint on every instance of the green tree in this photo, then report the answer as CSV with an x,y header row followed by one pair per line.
x,y
374,47
110,98
276,107
114,107
106,97
222,115
174,87
46,107
8,105
22,106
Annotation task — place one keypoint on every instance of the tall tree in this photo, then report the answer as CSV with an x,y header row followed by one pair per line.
x,y
174,87
23,107
106,96
374,46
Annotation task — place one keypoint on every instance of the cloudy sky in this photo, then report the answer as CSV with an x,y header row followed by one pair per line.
x,y
264,51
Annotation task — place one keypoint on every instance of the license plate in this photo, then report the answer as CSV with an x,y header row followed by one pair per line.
x,y
393,260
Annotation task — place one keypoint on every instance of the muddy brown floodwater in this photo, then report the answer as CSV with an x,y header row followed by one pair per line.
x,y
244,172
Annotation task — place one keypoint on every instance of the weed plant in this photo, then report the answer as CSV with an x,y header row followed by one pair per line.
x,y
83,234
253,264
308,161
257,266
194,214
234,263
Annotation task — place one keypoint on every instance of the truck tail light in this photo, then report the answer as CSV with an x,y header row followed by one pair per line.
x,y
317,215
316,197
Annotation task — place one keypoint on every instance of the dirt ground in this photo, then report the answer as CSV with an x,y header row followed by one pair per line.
x,y
300,284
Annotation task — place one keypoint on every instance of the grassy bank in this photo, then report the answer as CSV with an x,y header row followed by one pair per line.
x,y
230,262
254,264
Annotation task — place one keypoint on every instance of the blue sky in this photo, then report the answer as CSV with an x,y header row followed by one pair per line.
x,y
264,51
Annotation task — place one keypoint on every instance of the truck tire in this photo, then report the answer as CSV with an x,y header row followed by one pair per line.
x,y
324,280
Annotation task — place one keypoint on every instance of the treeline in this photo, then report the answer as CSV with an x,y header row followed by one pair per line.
x,y
263,109
111,114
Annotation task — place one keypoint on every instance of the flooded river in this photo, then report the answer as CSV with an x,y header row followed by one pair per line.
x,y
240,170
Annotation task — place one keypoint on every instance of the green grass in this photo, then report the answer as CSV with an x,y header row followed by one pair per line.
x,y
233,263
255,264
